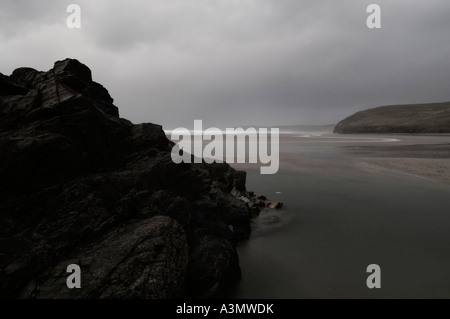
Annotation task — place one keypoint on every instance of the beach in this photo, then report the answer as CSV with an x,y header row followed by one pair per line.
x,y
430,160
351,201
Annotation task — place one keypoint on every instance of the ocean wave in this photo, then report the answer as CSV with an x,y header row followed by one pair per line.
x,y
354,138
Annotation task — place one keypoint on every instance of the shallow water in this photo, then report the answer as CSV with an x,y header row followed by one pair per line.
x,y
338,219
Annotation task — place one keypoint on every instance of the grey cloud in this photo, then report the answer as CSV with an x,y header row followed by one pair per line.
x,y
237,62
17,17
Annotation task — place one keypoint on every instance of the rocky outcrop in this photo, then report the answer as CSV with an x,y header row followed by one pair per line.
x,y
80,185
416,118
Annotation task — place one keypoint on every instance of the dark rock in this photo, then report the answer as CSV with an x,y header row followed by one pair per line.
x,y
8,88
146,259
240,178
73,67
415,118
80,185
214,265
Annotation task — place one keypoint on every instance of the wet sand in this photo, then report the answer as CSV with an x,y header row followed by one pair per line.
x,y
430,168
430,159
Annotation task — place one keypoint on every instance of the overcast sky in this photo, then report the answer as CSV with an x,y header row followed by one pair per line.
x,y
240,62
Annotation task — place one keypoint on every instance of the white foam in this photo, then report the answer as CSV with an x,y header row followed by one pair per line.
x,y
356,139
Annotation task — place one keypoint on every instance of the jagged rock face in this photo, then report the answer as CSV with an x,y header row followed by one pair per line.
x,y
145,259
78,184
417,118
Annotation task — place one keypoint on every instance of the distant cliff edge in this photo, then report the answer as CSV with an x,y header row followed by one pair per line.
x,y
412,118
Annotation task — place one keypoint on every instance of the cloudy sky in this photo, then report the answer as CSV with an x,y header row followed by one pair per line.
x,y
240,62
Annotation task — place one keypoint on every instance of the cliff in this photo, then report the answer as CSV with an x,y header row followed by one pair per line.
x,y
80,185
414,118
